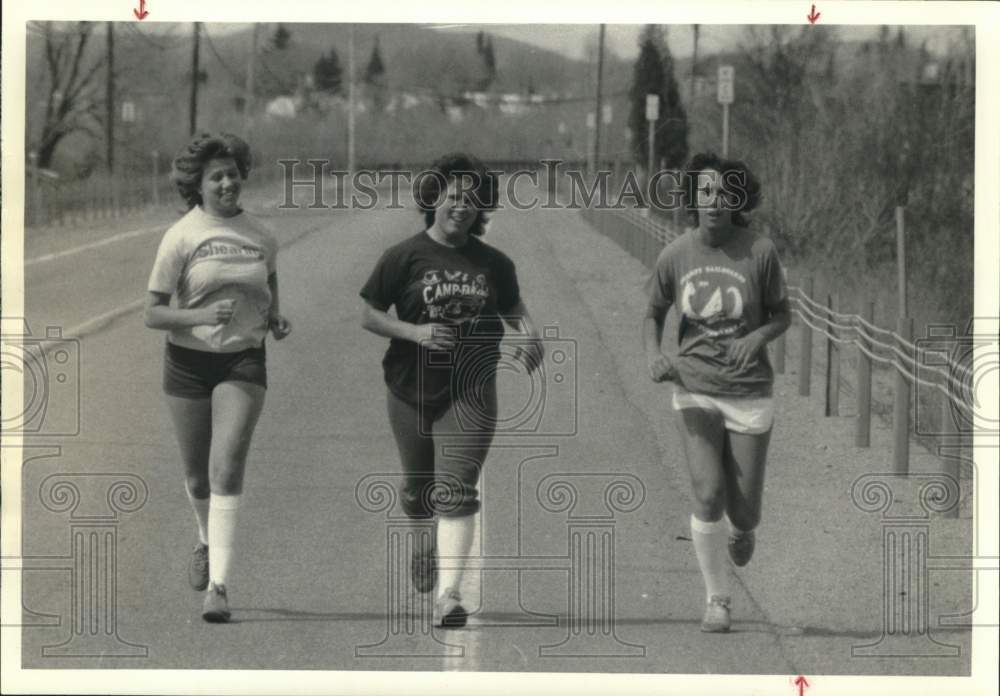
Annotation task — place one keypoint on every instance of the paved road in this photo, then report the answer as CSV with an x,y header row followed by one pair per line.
x,y
599,484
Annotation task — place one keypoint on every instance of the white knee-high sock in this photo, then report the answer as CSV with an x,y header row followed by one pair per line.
x,y
221,535
710,539
200,507
454,540
729,523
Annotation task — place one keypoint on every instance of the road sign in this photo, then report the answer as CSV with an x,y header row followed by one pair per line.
x,y
725,82
128,112
591,120
652,107
606,114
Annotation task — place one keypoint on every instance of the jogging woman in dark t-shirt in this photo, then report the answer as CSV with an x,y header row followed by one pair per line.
x,y
727,284
452,295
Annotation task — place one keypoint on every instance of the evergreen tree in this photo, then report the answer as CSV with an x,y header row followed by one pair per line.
x,y
484,47
653,74
328,74
375,68
672,128
489,60
281,38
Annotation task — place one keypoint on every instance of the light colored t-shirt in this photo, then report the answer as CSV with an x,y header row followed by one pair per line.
x,y
721,294
203,259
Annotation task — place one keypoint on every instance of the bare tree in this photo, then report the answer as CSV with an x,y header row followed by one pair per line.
x,y
70,104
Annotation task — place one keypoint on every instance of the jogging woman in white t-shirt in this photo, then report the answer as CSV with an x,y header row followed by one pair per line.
x,y
218,263
727,285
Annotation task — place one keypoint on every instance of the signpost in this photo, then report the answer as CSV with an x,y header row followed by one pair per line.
x,y
725,97
652,114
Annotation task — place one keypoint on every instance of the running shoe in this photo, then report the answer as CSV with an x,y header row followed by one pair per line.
x,y
741,545
216,607
448,610
716,615
423,566
198,567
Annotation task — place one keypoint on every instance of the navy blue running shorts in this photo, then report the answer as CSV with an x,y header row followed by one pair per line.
x,y
193,374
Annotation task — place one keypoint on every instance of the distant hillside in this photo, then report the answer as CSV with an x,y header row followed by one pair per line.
x,y
153,71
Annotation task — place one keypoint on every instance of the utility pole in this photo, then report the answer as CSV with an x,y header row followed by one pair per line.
x,y
694,62
249,98
110,106
195,75
598,112
350,102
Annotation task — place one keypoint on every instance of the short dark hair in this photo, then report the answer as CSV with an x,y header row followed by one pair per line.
x,y
189,165
431,183
736,175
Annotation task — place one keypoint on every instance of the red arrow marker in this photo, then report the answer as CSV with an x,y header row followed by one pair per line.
x,y
141,13
813,15
802,684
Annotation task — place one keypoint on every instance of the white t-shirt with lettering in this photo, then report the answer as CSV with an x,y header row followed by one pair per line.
x,y
203,259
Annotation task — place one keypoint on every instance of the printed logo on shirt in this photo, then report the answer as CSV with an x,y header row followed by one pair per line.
x,y
454,295
209,249
712,299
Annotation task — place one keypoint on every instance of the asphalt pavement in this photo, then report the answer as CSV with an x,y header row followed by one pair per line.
x,y
583,560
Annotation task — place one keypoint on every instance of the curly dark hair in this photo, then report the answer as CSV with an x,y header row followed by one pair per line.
x,y
736,179
189,165
429,185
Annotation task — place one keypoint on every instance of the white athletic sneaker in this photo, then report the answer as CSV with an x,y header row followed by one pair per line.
x,y
448,610
716,618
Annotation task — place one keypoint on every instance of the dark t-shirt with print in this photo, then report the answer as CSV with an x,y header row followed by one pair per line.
x,y
468,287
721,294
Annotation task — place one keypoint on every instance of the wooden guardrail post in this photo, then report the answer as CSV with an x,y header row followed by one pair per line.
x,y
901,405
779,342
805,343
832,363
950,438
863,425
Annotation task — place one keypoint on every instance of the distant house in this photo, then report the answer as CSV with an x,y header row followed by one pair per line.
x,y
480,99
513,104
281,107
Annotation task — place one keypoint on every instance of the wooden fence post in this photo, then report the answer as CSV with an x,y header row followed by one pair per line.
x,y
863,429
832,363
779,342
805,344
949,439
156,179
901,405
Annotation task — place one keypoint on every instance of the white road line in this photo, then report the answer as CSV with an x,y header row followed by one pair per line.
x,y
121,236
99,322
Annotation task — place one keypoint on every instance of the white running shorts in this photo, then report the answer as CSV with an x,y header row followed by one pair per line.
x,y
752,415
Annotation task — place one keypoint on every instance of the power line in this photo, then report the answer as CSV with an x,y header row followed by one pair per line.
x,y
237,78
135,31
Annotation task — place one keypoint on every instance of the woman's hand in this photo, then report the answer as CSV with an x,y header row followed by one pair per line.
x,y
661,369
531,353
279,326
217,313
435,336
743,351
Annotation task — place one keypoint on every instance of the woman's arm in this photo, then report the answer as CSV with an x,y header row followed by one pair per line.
x,y
160,315
533,351
278,324
744,349
430,336
659,365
